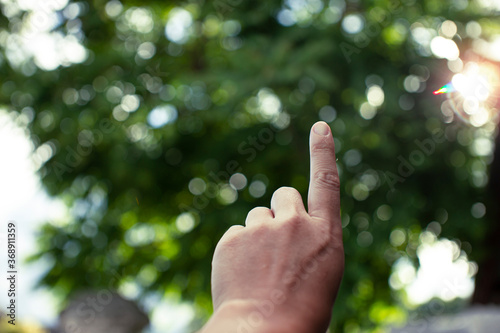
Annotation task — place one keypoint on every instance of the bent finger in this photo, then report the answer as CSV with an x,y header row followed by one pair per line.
x,y
258,215
286,200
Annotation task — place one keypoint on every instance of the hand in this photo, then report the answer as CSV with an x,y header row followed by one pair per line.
x,y
282,270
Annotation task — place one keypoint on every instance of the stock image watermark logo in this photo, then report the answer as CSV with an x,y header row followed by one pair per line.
x,y
86,140
382,18
12,271
224,7
407,165
292,281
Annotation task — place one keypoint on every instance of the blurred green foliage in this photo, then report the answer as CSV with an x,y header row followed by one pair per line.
x,y
133,221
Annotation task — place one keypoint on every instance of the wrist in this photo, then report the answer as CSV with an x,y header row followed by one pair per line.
x,y
252,316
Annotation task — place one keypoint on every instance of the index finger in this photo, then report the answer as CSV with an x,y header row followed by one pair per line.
x,y
324,186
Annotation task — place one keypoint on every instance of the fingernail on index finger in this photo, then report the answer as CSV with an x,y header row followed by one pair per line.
x,y
321,128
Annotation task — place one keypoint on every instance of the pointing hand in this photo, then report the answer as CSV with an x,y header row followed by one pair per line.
x,y
282,270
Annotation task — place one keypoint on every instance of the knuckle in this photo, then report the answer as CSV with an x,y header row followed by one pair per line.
x,y
291,197
258,214
258,209
327,179
233,229
286,190
230,237
226,242
322,147
287,193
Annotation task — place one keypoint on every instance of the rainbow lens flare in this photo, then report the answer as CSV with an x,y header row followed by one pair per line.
x,y
472,95
447,88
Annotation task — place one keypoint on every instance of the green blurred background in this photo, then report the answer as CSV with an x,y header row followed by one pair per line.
x,y
160,124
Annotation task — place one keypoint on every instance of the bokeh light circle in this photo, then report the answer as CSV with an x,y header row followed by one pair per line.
x,y
473,95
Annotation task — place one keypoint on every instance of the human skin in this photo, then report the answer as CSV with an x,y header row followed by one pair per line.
x,y
282,270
